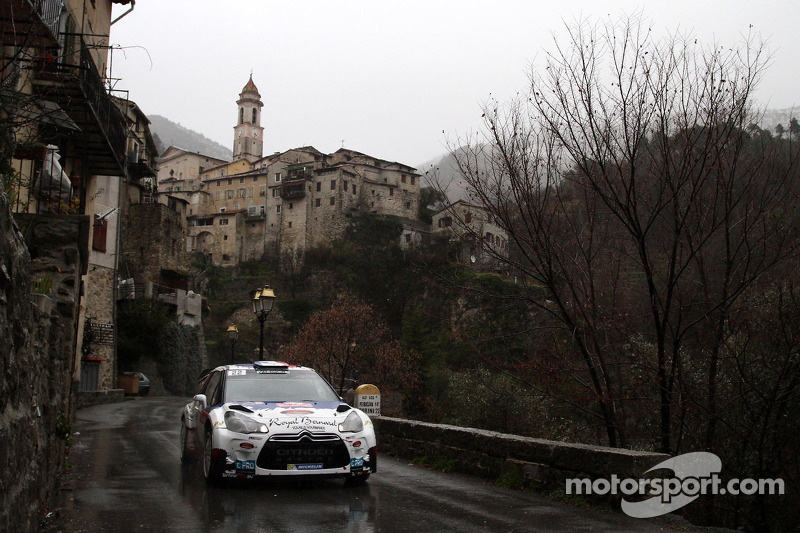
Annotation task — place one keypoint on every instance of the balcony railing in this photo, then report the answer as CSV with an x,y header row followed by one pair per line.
x,y
80,88
30,21
50,12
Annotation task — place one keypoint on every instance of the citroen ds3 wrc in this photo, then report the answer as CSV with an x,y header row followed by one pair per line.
x,y
274,419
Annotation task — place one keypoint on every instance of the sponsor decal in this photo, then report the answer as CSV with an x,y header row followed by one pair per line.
x,y
309,466
356,462
297,412
237,372
304,452
294,404
303,423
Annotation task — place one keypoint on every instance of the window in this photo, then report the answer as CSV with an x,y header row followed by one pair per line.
x,y
489,238
276,193
219,182
229,194
222,173
277,209
333,185
317,202
277,177
249,192
255,115
413,179
241,180
319,186
241,115
99,234
230,181
344,185
445,222
468,218
408,205
223,222
408,235
290,223
354,188
391,191
333,200
291,205
403,178
262,191
224,237
241,193
255,178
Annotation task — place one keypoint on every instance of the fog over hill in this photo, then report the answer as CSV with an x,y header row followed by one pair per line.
x,y
167,133
444,171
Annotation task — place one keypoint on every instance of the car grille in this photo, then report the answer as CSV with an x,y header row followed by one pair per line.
x,y
303,448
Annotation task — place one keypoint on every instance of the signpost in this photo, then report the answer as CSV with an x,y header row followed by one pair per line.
x,y
368,399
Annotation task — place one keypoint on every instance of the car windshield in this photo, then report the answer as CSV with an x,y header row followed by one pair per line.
x,y
291,386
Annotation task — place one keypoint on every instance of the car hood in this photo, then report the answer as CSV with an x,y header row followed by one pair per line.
x,y
294,416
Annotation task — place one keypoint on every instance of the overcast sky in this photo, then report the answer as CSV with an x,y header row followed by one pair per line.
x,y
394,79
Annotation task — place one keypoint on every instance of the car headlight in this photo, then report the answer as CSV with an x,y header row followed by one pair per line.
x,y
351,424
243,424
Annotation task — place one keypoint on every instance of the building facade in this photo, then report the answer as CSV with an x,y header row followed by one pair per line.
x,y
484,242
287,202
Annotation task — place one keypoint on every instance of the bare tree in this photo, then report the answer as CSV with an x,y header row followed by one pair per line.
x,y
633,194
348,343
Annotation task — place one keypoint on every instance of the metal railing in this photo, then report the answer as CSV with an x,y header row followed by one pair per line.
x,y
50,13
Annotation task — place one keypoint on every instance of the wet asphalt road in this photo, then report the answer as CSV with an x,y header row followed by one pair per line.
x,y
126,476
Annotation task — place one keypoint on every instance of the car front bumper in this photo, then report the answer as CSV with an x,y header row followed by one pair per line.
x,y
330,454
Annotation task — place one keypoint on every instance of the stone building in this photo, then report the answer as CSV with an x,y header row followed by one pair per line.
x,y
287,202
483,241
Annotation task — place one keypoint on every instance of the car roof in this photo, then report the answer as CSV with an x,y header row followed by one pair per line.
x,y
264,364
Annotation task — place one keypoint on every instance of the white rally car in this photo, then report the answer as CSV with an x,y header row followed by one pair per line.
x,y
274,419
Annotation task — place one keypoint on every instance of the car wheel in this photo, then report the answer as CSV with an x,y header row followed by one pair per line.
x,y
210,465
185,458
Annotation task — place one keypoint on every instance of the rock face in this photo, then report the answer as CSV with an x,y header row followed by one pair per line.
x,y
37,333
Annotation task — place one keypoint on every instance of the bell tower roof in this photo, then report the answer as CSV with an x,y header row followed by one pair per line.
x,y
250,87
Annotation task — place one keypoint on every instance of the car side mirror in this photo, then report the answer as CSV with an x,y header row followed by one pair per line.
x,y
201,399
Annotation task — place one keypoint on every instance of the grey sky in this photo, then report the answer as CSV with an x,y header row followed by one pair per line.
x,y
393,79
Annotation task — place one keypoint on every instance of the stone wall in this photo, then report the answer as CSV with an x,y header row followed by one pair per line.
x,y
37,360
153,240
490,454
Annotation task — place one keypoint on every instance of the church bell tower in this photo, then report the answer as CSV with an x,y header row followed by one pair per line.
x,y
248,135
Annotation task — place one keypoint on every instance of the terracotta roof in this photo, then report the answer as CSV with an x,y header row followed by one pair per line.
x,y
250,87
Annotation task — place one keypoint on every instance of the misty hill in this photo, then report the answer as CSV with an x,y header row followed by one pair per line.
x,y
167,133
443,172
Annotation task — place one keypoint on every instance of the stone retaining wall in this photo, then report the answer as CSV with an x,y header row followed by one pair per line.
x,y
37,347
490,454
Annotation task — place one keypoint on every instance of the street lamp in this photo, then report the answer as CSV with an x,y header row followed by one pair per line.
x,y
262,305
233,333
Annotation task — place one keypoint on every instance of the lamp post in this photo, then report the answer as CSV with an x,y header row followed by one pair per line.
x,y
233,333
262,305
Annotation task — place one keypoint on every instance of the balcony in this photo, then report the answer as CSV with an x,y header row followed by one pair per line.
x,y
293,189
30,22
79,90
139,167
